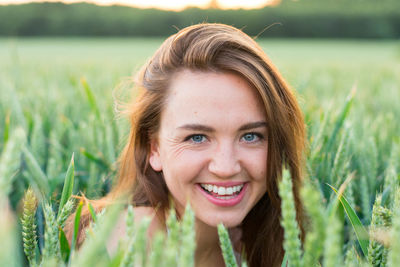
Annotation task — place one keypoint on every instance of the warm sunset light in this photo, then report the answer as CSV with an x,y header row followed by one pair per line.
x,y
170,5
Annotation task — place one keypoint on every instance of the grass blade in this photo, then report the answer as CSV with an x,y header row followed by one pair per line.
x,y
99,160
6,128
64,246
16,107
285,261
37,175
68,185
91,98
76,225
359,229
92,212
10,160
341,118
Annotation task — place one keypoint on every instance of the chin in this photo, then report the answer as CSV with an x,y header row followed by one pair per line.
x,y
227,222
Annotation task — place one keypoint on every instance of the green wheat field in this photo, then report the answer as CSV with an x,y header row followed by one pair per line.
x,y
61,132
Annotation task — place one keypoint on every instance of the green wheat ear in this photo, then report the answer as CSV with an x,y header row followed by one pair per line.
x,y
140,243
391,180
291,242
130,222
65,212
134,254
188,242
381,217
394,255
52,245
351,258
316,236
226,247
157,249
29,226
365,196
333,242
172,241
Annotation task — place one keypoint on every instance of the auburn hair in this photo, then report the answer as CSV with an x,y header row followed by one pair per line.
x,y
221,48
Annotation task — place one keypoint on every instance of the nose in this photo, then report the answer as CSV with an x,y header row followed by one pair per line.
x,y
224,161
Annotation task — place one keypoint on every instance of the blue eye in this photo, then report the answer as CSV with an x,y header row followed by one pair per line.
x,y
197,138
251,137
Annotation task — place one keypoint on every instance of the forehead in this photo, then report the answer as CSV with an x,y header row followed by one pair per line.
x,y
211,96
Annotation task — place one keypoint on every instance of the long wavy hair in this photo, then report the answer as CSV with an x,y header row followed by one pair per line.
x,y
221,48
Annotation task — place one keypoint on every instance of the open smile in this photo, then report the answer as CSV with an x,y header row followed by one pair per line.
x,y
222,192
223,195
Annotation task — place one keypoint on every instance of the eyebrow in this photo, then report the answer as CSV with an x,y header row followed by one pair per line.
x,y
253,125
204,128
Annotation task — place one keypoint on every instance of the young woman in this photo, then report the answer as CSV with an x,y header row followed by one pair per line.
x,y
213,125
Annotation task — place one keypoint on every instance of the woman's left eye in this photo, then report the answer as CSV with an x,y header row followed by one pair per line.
x,y
251,137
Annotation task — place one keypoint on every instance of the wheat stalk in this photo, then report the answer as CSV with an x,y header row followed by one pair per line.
x,y
291,242
29,226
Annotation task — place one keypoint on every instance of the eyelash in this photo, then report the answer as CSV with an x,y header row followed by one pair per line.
x,y
190,138
258,136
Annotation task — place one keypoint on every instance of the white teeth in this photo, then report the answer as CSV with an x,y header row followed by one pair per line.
x,y
215,189
209,187
221,190
229,191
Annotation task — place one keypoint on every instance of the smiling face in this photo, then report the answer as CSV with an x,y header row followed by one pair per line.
x,y
212,146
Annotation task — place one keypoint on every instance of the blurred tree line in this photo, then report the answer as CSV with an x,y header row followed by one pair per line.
x,y
301,18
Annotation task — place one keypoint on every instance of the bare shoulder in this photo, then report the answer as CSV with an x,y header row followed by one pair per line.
x,y
142,212
119,231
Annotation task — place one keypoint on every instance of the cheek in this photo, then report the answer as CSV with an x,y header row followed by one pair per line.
x,y
181,173
256,164
184,167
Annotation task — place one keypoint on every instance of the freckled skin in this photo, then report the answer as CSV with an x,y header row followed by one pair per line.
x,y
223,103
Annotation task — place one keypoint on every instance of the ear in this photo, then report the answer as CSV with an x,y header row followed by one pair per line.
x,y
155,159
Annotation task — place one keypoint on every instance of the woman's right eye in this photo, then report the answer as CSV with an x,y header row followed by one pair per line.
x,y
196,138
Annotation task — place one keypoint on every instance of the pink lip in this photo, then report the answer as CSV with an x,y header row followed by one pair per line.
x,y
224,202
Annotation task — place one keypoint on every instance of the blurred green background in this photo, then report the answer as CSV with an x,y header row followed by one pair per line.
x,y
301,18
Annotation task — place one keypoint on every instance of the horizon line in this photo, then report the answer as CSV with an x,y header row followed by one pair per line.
x,y
206,4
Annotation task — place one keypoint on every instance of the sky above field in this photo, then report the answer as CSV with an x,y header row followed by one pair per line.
x,y
163,4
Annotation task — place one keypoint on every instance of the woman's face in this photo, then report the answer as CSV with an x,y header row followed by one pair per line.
x,y
212,146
